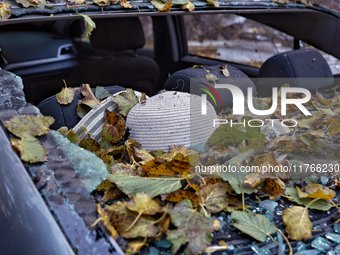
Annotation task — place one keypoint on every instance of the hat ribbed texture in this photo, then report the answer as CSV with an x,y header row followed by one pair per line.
x,y
170,118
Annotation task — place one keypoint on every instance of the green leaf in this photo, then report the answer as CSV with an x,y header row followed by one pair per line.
x,y
101,92
125,100
90,25
236,180
72,136
192,228
180,1
152,186
226,135
309,123
255,225
30,149
22,125
158,4
242,156
323,205
82,110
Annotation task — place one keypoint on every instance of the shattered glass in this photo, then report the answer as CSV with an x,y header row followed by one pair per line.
x,y
90,169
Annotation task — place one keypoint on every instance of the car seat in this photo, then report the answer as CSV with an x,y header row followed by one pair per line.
x,y
180,81
66,115
111,59
289,67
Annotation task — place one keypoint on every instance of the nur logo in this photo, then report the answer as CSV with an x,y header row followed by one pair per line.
x,y
238,99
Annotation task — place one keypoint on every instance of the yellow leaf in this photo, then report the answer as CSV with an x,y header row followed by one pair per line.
x,y
273,187
77,2
125,4
315,191
22,125
217,225
225,71
298,225
5,11
215,3
106,222
142,203
211,77
135,246
66,95
335,126
101,2
189,6
166,8
90,99
30,149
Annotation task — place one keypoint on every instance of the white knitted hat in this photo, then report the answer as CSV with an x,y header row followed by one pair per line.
x,y
170,118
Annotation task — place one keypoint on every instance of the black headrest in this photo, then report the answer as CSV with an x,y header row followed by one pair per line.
x,y
303,63
180,81
66,115
118,34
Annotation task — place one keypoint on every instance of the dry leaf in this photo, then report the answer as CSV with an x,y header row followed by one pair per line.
x,y
114,127
193,229
272,187
214,197
77,2
161,167
211,77
106,222
90,145
5,11
125,4
335,126
22,125
90,99
315,191
143,204
225,71
30,149
179,195
298,225
102,2
135,246
125,100
122,219
189,6
217,225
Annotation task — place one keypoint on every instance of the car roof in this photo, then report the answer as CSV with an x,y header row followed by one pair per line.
x,y
313,24
57,9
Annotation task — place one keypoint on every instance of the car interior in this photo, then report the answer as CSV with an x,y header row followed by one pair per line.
x,y
115,56
45,54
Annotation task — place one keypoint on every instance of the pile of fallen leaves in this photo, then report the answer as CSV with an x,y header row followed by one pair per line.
x,y
151,195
